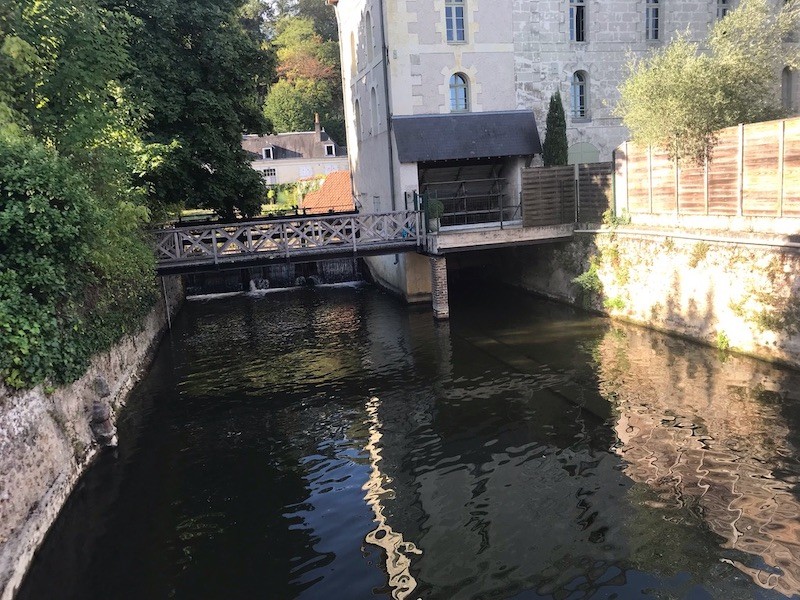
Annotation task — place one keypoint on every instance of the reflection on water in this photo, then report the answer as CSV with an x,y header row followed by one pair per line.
x,y
396,548
332,443
711,438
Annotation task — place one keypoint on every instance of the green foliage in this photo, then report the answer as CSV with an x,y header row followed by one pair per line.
x,y
678,97
290,106
723,342
615,303
74,274
197,76
699,253
611,219
555,149
310,80
434,208
589,280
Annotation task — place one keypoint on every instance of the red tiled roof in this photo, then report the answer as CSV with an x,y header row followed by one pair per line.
x,y
335,195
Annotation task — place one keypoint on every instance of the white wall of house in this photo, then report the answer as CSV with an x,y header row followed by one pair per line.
x,y
289,170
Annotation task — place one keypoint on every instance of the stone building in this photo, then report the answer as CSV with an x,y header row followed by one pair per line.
x,y
446,92
290,157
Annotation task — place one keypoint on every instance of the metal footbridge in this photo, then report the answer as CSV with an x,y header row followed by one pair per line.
x,y
302,239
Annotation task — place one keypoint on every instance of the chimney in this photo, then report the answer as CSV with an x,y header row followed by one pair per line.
x,y
317,127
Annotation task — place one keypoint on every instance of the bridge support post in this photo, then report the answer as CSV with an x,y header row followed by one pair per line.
x,y
439,295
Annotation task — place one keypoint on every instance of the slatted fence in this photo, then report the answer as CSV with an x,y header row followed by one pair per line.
x,y
569,194
754,171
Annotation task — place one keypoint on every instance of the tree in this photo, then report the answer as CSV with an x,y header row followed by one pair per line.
x,y
555,150
677,98
310,80
197,72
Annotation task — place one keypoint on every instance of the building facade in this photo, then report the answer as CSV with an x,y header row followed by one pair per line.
x,y
290,157
410,66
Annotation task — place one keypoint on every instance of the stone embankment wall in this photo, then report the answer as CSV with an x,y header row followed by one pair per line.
x,y
734,290
47,439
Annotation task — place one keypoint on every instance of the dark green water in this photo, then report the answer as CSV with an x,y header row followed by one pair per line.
x,y
334,444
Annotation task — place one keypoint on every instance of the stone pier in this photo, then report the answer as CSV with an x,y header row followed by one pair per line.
x,y
441,304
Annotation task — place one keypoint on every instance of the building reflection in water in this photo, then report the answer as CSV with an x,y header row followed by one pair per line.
x,y
713,436
398,551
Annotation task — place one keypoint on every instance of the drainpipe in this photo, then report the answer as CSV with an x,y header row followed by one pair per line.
x,y
385,49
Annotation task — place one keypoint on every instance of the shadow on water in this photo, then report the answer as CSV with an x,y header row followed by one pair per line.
x,y
334,444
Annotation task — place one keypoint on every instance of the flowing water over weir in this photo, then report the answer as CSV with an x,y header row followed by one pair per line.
x,y
331,443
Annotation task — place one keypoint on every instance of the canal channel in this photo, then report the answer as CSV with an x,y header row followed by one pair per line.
x,y
332,443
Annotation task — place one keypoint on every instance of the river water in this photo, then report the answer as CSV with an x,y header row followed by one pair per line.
x,y
332,443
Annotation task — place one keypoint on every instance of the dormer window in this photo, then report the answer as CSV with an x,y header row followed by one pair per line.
x,y
267,153
330,150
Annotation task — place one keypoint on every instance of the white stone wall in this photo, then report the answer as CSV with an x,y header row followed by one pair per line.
x,y
290,170
46,442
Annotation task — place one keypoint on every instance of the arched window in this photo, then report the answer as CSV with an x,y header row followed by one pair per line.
x,y
580,95
358,120
787,81
459,93
373,107
370,39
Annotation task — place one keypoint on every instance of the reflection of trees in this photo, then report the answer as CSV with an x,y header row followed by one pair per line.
x,y
702,434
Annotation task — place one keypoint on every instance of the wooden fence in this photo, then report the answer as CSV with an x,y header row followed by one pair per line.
x,y
575,193
754,171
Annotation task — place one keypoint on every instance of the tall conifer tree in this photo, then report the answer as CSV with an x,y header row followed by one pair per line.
x,y
555,139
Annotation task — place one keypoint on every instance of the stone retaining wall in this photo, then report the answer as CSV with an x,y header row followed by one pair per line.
x,y
739,292
46,441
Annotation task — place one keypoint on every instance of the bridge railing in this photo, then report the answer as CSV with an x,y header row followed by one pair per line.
x,y
288,237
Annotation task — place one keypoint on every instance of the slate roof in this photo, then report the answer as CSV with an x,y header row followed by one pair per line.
x,y
422,138
335,195
301,144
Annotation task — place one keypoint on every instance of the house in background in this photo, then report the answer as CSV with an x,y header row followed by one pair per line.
x,y
335,195
290,157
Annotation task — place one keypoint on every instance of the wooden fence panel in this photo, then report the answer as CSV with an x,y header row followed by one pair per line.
x,y
548,196
761,164
691,188
595,191
638,180
663,182
791,169
723,174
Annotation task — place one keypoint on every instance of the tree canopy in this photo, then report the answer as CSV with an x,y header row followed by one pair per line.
x,y
555,149
111,110
309,80
676,98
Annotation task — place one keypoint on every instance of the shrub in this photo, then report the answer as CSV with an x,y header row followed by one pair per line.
x,y
75,274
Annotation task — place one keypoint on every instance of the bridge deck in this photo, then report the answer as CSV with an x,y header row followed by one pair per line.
x,y
236,245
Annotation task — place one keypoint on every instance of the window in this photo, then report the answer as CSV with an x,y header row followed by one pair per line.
x,y
577,20
267,153
330,150
454,20
786,89
579,98
651,17
270,176
353,54
373,106
723,6
370,39
459,93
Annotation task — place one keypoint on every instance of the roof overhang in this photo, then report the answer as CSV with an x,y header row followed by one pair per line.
x,y
427,138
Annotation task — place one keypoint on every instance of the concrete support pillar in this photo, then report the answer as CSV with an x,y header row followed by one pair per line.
x,y
441,304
